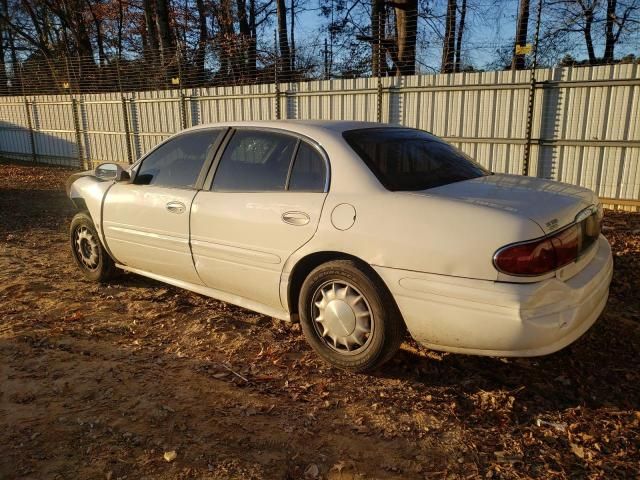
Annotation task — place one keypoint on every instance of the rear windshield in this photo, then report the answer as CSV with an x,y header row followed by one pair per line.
x,y
408,159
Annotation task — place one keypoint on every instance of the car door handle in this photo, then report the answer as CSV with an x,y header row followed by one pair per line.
x,y
295,218
176,207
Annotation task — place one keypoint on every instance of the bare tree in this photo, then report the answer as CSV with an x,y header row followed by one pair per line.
x,y
622,17
575,16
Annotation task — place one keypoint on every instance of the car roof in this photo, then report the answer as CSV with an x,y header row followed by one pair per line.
x,y
300,126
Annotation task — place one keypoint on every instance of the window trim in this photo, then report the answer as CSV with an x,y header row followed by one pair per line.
x,y
208,182
200,179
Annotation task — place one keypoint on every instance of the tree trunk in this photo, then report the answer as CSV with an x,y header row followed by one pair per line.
x,y
253,52
246,39
518,61
97,22
406,32
202,38
3,68
151,30
463,16
80,31
293,36
610,39
285,52
226,42
165,34
120,29
378,22
448,48
588,17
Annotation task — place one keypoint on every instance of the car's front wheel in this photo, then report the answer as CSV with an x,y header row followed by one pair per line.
x,y
349,317
87,250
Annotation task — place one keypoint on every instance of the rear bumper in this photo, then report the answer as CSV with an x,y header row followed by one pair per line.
x,y
501,319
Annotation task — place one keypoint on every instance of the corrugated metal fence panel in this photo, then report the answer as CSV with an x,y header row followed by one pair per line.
x,y
230,104
104,134
54,131
343,99
14,127
604,112
155,116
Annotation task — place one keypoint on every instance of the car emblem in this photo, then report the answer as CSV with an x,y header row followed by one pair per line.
x,y
552,224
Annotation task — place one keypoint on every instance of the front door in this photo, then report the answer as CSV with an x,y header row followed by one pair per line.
x,y
264,203
146,222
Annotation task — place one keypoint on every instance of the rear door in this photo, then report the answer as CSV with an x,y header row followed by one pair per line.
x,y
146,222
264,203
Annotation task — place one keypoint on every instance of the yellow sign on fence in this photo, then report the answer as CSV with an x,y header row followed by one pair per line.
x,y
523,49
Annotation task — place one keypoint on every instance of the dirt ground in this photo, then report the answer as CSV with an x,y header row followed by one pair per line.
x,y
103,381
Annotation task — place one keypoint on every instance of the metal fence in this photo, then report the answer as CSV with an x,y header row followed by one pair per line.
x,y
578,125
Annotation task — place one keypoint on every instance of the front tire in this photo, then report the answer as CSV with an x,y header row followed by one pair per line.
x,y
349,317
87,250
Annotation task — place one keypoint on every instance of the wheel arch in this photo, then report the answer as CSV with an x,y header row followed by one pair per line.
x,y
304,266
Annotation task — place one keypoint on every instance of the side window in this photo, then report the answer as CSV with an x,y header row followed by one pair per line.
x,y
178,162
308,173
255,161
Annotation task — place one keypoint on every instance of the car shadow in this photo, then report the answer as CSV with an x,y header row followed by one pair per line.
x,y
598,370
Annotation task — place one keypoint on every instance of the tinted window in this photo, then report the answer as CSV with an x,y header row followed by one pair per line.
x,y
308,172
255,161
178,162
407,159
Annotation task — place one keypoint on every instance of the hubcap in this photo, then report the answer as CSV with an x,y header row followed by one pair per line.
x,y
86,248
342,317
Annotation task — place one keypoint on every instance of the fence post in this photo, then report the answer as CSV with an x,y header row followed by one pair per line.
x,y
379,72
127,133
78,130
291,111
183,109
395,107
194,106
532,96
277,97
32,137
133,125
276,79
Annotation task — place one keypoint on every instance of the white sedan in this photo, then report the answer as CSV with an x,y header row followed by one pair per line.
x,y
358,230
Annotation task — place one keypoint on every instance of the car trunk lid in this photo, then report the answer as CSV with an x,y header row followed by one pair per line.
x,y
551,205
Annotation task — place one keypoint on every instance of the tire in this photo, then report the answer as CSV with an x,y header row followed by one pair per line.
x,y
337,331
87,250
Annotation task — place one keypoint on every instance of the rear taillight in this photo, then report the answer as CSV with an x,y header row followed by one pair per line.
x,y
541,256
544,255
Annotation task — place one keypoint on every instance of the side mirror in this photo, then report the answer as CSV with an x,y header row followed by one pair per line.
x,y
111,171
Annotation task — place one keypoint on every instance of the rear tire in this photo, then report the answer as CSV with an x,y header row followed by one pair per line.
x,y
349,317
87,250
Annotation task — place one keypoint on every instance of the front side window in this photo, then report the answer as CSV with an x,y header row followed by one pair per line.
x,y
178,162
410,160
255,161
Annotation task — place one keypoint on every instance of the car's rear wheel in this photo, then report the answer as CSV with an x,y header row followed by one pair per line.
x,y
349,317
87,250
